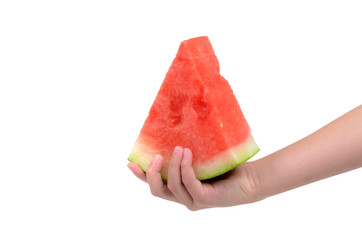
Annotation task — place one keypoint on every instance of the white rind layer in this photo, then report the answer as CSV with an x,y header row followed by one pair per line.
x,y
221,163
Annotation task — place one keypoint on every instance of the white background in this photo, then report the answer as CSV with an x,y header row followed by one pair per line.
x,y
77,79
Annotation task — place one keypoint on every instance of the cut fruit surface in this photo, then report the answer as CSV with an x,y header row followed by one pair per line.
x,y
195,108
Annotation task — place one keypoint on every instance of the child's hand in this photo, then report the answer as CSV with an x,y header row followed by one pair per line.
x,y
233,188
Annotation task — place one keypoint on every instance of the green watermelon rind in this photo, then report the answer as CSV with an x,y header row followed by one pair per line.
x,y
218,165
139,159
239,157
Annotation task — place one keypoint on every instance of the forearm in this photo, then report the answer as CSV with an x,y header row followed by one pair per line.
x,y
333,149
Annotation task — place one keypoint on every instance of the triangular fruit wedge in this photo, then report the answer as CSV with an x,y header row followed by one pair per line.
x,y
195,108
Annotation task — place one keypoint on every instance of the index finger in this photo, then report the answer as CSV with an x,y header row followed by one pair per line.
x,y
153,175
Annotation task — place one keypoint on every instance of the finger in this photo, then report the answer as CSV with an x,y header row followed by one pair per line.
x,y
137,171
174,182
191,183
153,175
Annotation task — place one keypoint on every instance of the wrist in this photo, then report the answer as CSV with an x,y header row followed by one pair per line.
x,y
255,174
265,177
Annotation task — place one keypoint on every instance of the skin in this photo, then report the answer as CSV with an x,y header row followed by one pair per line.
x,y
336,148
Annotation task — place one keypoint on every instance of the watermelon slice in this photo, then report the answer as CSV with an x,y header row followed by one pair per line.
x,y
195,108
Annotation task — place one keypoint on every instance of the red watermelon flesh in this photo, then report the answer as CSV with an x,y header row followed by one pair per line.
x,y
195,108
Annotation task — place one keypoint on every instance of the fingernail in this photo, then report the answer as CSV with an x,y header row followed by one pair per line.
x,y
177,150
187,152
157,158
